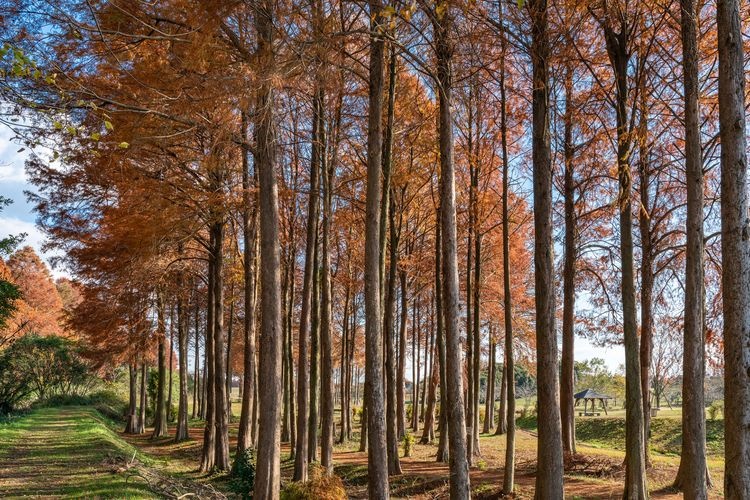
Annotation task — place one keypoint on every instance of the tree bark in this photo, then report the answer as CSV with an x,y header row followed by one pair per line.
x,y
459,479
303,362
401,376
181,433
567,379
268,475
160,410
249,254
735,251
377,484
549,479
131,426
141,428
221,420
209,433
326,335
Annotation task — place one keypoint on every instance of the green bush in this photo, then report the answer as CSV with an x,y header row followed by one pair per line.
x,y
106,401
242,479
408,441
41,368
716,408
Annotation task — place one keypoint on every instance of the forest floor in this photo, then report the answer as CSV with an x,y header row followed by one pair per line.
x,y
66,452
73,452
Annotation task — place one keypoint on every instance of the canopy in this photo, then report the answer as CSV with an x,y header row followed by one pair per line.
x,y
590,394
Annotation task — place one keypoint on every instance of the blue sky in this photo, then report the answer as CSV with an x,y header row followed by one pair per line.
x,y
19,218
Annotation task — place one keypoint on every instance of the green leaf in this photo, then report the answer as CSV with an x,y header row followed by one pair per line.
x,y
520,4
96,136
108,125
123,145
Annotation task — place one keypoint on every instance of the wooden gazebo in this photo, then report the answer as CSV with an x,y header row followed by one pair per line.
x,y
593,396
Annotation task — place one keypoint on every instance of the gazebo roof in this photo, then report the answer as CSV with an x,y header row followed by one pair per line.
x,y
590,394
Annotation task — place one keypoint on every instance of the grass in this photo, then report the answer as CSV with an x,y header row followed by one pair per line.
x,y
66,453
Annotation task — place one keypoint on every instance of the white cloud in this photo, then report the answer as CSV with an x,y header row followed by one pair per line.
x,y
11,161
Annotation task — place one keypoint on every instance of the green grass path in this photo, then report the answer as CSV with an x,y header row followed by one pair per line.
x,y
64,452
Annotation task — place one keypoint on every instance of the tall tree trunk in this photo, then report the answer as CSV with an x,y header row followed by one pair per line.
x,y
131,426
181,433
401,376
394,465
249,254
268,475
693,477
647,271
196,364
221,421
489,398
459,479
567,379
735,251
502,417
635,473
209,435
508,364
303,362
312,422
170,363
160,410
377,485
142,410
326,335
442,451
549,479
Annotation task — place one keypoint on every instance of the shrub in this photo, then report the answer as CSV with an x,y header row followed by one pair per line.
x,y
716,408
408,441
242,479
48,367
321,486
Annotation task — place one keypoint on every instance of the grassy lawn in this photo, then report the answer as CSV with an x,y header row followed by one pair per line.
x,y
67,452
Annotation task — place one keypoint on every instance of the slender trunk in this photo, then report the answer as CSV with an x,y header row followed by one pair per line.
x,y
181,433
142,410
160,410
268,475
693,477
401,376
489,398
221,420
508,365
735,251
249,254
312,422
303,362
647,272
635,467
326,335
549,479
442,451
196,366
131,426
230,335
459,478
394,465
567,379
377,455
169,364
502,417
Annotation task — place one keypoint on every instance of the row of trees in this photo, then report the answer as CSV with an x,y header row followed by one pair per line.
x,y
284,179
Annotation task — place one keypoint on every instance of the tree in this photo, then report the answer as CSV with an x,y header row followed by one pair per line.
x,y
377,452
442,21
549,479
267,482
692,477
735,251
